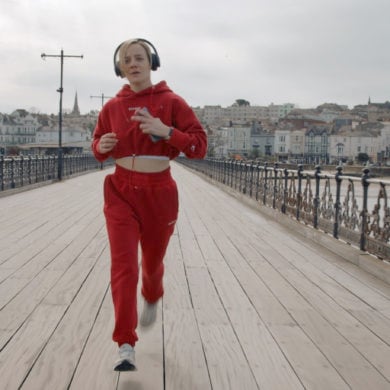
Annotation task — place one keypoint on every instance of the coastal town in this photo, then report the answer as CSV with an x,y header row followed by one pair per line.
x,y
327,134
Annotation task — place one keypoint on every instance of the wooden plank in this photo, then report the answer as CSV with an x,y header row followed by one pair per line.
x,y
376,299
16,312
339,352
228,366
185,364
42,237
24,303
30,340
303,355
191,252
262,351
58,360
27,344
94,370
353,302
375,350
208,247
337,348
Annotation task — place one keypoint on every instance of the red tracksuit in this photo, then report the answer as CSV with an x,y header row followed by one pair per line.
x,y
141,208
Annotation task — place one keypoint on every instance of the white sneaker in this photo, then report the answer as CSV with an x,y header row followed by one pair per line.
x,y
149,314
126,361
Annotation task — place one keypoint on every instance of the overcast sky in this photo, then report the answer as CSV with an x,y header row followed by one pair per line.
x,y
305,52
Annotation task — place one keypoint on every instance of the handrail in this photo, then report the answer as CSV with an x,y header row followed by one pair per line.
x,y
19,171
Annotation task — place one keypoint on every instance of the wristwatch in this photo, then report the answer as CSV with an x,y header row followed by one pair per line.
x,y
169,134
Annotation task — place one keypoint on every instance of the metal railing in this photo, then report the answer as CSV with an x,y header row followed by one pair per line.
x,y
354,209
21,171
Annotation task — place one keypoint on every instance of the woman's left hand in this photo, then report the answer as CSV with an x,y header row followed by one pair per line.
x,y
149,124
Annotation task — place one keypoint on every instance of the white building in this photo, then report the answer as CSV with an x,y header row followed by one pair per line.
x,y
212,115
297,143
219,142
219,116
349,145
277,112
238,140
385,140
245,114
282,144
18,128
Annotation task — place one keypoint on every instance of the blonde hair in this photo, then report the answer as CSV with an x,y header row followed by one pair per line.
x,y
125,45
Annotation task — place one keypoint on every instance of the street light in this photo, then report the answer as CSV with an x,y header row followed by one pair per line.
x,y
60,90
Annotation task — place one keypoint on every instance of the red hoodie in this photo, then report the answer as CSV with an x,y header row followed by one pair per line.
x,y
187,136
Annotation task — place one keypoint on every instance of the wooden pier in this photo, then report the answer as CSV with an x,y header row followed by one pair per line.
x,y
248,303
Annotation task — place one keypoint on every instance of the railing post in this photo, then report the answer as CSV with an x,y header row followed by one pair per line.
x,y
229,173
364,214
2,172
12,172
257,181
21,172
299,193
337,204
250,181
240,180
236,167
316,199
285,190
36,169
245,187
265,183
275,189
29,169
225,164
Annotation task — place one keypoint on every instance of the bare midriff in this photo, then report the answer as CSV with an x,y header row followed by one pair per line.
x,y
147,164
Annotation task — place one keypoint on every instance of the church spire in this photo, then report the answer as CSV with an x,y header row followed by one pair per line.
x,y
76,110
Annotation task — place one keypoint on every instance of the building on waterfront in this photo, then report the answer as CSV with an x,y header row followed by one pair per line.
x,y
328,133
348,143
316,145
241,114
25,133
384,149
18,128
262,141
238,141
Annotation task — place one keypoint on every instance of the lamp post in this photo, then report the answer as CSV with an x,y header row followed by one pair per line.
x,y
60,90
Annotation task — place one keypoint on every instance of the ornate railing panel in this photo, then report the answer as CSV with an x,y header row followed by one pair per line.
x,y
20,171
355,209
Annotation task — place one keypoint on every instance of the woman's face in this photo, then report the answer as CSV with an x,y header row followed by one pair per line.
x,y
136,67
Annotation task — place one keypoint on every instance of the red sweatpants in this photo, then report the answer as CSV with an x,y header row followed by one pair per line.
x,y
140,208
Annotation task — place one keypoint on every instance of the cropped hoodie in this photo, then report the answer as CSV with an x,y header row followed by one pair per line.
x,y
187,135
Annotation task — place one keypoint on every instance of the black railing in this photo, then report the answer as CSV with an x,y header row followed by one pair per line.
x,y
21,171
351,208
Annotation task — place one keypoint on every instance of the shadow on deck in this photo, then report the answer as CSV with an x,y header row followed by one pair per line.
x,y
249,304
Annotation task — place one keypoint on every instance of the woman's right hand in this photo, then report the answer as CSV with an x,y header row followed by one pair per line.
x,y
107,143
